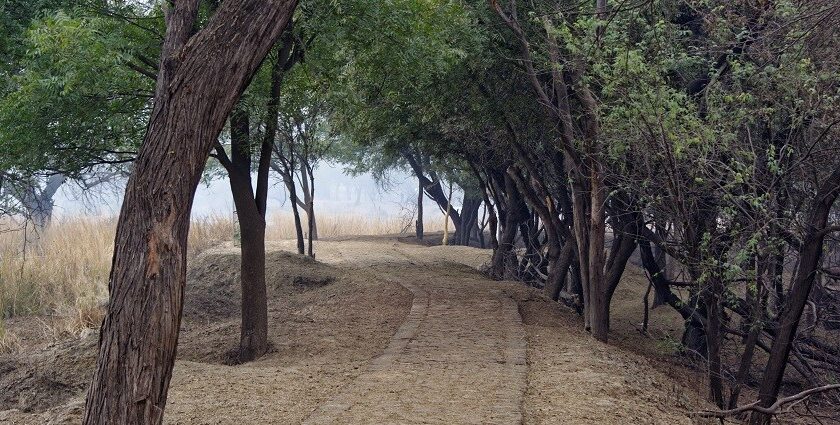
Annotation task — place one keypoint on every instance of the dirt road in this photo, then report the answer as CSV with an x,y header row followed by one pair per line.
x,y
405,334
458,358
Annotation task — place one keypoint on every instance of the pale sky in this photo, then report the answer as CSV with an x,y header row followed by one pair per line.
x,y
335,193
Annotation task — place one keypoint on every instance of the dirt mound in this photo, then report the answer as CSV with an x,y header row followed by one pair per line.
x,y
48,377
213,291
210,330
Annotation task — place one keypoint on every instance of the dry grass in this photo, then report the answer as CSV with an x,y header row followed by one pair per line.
x,y
62,272
8,340
281,226
65,272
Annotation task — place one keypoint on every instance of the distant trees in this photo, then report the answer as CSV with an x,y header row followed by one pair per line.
x,y
303,142
34,198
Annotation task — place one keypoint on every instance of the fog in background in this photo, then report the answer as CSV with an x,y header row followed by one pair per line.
x,y
336,193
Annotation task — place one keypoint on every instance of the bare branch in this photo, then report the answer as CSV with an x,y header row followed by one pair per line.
x,y
773,409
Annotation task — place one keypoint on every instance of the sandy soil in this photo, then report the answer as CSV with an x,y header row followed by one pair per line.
x,y
376,331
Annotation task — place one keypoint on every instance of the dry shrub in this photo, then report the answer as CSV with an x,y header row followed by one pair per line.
x,y
9,342
207,232
63,270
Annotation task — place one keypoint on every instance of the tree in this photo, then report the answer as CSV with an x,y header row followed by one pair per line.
x,y
810,253
251,202
193,98
71,106
304,141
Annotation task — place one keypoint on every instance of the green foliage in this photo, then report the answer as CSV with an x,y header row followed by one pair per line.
x,y
16,17
386,68
75,101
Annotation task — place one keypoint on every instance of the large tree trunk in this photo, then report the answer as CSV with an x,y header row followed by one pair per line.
x,y
810,255
599,313
199,83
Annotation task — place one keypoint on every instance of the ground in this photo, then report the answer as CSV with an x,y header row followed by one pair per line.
x,y
381,331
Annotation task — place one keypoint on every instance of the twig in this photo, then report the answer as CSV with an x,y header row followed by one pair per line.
x,y
773,409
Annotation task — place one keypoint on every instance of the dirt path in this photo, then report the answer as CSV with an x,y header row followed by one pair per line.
x,y
464,355
458,358
406,335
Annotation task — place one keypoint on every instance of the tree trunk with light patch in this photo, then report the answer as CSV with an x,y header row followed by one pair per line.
x,y
200,80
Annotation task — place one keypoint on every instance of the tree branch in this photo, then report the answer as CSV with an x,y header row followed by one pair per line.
x,y
772,409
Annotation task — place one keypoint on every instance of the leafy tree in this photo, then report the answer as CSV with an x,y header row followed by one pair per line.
x,y
73,105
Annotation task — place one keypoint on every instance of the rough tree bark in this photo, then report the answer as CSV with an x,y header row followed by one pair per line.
x,y
200,80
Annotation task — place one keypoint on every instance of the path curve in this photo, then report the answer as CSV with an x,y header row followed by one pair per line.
x,y
330,411
459,357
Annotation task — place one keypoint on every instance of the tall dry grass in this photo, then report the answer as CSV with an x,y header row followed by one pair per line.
x,y
60,272
64,272
281,226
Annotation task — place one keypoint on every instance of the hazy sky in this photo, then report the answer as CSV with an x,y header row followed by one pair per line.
x,y
335,193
